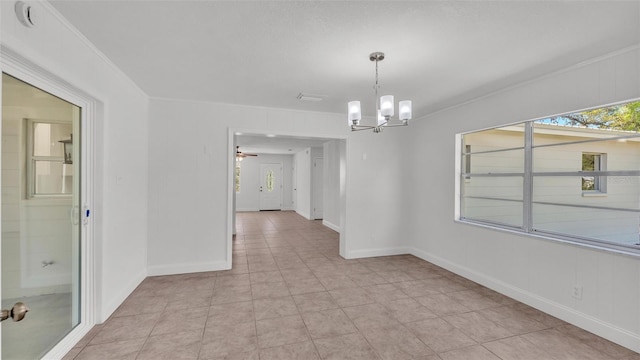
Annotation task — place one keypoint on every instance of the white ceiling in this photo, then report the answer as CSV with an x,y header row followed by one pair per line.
x,y
263,53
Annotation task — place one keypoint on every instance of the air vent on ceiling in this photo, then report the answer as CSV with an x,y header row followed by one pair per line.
x,y
310,97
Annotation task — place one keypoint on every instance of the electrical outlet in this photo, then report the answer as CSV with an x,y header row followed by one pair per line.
x,y
577,292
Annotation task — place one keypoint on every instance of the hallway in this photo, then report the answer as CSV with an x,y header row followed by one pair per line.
x,y
291,296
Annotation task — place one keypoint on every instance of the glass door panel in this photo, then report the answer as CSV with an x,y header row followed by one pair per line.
x,y
40,218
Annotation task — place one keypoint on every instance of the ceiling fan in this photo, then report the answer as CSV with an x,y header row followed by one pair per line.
x,y
240,155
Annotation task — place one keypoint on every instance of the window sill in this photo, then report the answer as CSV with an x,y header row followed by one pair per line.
x,y
594,194
613,249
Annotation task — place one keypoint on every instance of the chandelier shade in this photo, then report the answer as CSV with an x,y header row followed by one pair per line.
x,y
355,113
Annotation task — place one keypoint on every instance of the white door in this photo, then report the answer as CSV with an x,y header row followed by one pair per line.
x,y
318,187
270,186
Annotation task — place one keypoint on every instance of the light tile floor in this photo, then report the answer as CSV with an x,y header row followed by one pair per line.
x,y
291,296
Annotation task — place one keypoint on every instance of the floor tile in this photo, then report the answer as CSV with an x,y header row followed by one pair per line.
x,y
516,348
142,305
173,346
408,310
269,290
478,327
227,339
351,346
596,342
297,274
370,316
190,299
232,313
274,307
303,286
385,292
265,277
281,331
442,304
120,350
396,342
224,296
439,335
513,320
476,352
351,297
563,346
315,302
172,321
328,323
364,279
335,282
303,351
126,328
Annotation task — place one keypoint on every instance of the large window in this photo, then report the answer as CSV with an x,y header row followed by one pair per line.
x,y
574,177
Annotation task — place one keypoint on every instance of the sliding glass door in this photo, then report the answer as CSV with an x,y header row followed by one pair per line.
x,y
41,218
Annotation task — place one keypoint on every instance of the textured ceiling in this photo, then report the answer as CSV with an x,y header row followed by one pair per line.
x,y
263,53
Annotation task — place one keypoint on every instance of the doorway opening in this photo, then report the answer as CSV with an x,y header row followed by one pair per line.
x,y
303,188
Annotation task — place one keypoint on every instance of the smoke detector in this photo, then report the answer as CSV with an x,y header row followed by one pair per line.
x,y
25,13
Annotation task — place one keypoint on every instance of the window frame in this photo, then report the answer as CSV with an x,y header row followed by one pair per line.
x,y
31,160
463,176
599,182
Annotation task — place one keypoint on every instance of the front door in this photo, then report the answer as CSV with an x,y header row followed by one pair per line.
x,y
41,218
270,187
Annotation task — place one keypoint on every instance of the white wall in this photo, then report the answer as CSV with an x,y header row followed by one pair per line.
x,y
536,271
188,200
248,199
120,207
331,193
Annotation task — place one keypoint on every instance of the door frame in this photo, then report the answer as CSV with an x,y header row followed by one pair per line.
x,y
24,69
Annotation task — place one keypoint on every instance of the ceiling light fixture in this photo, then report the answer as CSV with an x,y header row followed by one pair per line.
x,y
384,107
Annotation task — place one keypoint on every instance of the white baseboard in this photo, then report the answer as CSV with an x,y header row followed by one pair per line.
x,y
288,208
608,331
68,342
358,254
115,301
185,268
331,226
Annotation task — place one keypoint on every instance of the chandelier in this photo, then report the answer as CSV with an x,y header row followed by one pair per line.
x,y
384,107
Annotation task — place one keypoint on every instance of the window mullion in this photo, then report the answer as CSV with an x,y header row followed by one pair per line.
x,y
527,185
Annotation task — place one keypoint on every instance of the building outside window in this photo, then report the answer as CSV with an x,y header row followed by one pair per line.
x,y
574,177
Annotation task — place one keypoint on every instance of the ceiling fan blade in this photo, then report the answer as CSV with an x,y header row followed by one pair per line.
x,y
241,154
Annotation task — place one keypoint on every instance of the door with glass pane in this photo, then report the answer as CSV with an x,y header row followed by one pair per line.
x,y
270,186
40,218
